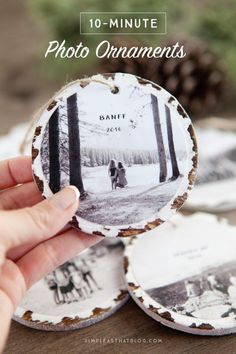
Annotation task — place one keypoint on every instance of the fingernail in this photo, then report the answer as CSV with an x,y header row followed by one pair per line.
x,y
65,198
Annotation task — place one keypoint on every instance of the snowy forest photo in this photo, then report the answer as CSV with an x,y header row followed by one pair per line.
x,y
127,166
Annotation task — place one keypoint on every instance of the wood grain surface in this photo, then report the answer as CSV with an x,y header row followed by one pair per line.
x,y
129,324
22,92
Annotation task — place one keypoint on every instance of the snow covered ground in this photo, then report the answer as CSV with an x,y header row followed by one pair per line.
x,y
140,199
96,179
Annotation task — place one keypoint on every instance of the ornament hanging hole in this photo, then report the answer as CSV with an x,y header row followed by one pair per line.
x,y
115,90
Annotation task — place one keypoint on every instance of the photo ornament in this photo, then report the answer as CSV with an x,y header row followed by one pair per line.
x,y
125,143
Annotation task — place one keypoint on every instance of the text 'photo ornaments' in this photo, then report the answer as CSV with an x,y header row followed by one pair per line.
x,y
185,278
81,292
125,143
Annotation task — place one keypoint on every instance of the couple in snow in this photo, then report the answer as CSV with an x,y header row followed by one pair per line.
x,y
117,174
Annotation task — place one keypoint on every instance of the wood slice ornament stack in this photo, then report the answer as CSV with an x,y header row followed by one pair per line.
x,y
81,292
217,168
186,277
125,143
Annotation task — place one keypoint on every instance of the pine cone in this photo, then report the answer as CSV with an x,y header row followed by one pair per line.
x,y
196,80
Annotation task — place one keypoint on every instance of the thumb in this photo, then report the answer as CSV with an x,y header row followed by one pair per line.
x,y
39,222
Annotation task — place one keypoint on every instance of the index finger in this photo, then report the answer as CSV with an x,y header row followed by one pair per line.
x,y
50,254
15,171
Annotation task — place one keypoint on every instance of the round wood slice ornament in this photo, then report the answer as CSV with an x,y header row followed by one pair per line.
x,y
217,169
186,277
125,143
85,290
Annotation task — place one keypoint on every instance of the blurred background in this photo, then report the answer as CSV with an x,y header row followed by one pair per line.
x,y
204,81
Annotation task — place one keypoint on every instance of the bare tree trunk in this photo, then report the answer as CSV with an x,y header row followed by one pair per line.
x,y
175,168
74,144
54,163
159,138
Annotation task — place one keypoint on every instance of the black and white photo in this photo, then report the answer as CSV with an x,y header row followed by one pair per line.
x,y
129,153
93,279
188,273
209,295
